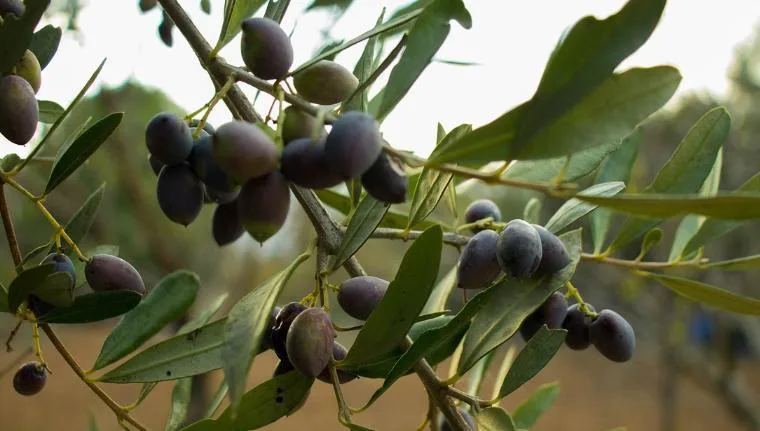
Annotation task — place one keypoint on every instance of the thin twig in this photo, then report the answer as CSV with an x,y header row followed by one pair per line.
x,y
118,411
10,232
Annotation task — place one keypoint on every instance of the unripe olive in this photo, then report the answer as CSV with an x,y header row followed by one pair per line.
x,y
19,112
266,48
298,124
325,83
28,67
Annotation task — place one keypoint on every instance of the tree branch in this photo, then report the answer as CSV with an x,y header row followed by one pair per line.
x,y
325,226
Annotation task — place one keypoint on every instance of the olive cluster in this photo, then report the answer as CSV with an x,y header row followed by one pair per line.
x,y
103,272
19,112
239,166
523,250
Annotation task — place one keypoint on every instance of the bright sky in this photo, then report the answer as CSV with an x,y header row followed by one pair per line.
x,y
510,39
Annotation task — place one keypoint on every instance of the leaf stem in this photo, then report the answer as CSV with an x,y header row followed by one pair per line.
x,y
120,413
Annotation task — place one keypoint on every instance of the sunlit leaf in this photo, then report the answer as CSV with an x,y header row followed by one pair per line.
x,y
581,164
426,36
574,209
235,12
685,172
363,70
49,111
494,419
616,167
165,303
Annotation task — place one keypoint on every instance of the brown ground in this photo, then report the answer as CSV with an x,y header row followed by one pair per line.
x,y
596,396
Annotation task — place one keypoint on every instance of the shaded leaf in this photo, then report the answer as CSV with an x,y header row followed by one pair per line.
x,y
235,12
574,209
56,289
44,44
81,149
686,170
616,167
501,317
204,316
25,283
180,356
738,264
426,36
94,307
180,402
4,300
165,303
363,70
530,410
606,115
49,111
652,238
389,25
708,294
16,33
406,296
494,419
478,373
540,349
79,224
366,218
246,323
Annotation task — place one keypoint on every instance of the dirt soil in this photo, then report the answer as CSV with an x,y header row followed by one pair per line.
x,y
596,395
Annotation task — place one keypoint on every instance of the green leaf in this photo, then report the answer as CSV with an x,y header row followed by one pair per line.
x,y
81,149
712,228
581,164
532,211
44,44
94,307
530,410
25,283
338,4
246,323
686,170
79,224
391,219
56,289
501,317
616,167
432,183
478,373
183,355
17,33
165,303
738,264
235,12
366,218
426,36
433,338
363,70
389,25
574,209
379,369
652,238
494,419
268,402
406,296
605,116
584,59
708,294
49,111
540,349
728,206
180,402
204,316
